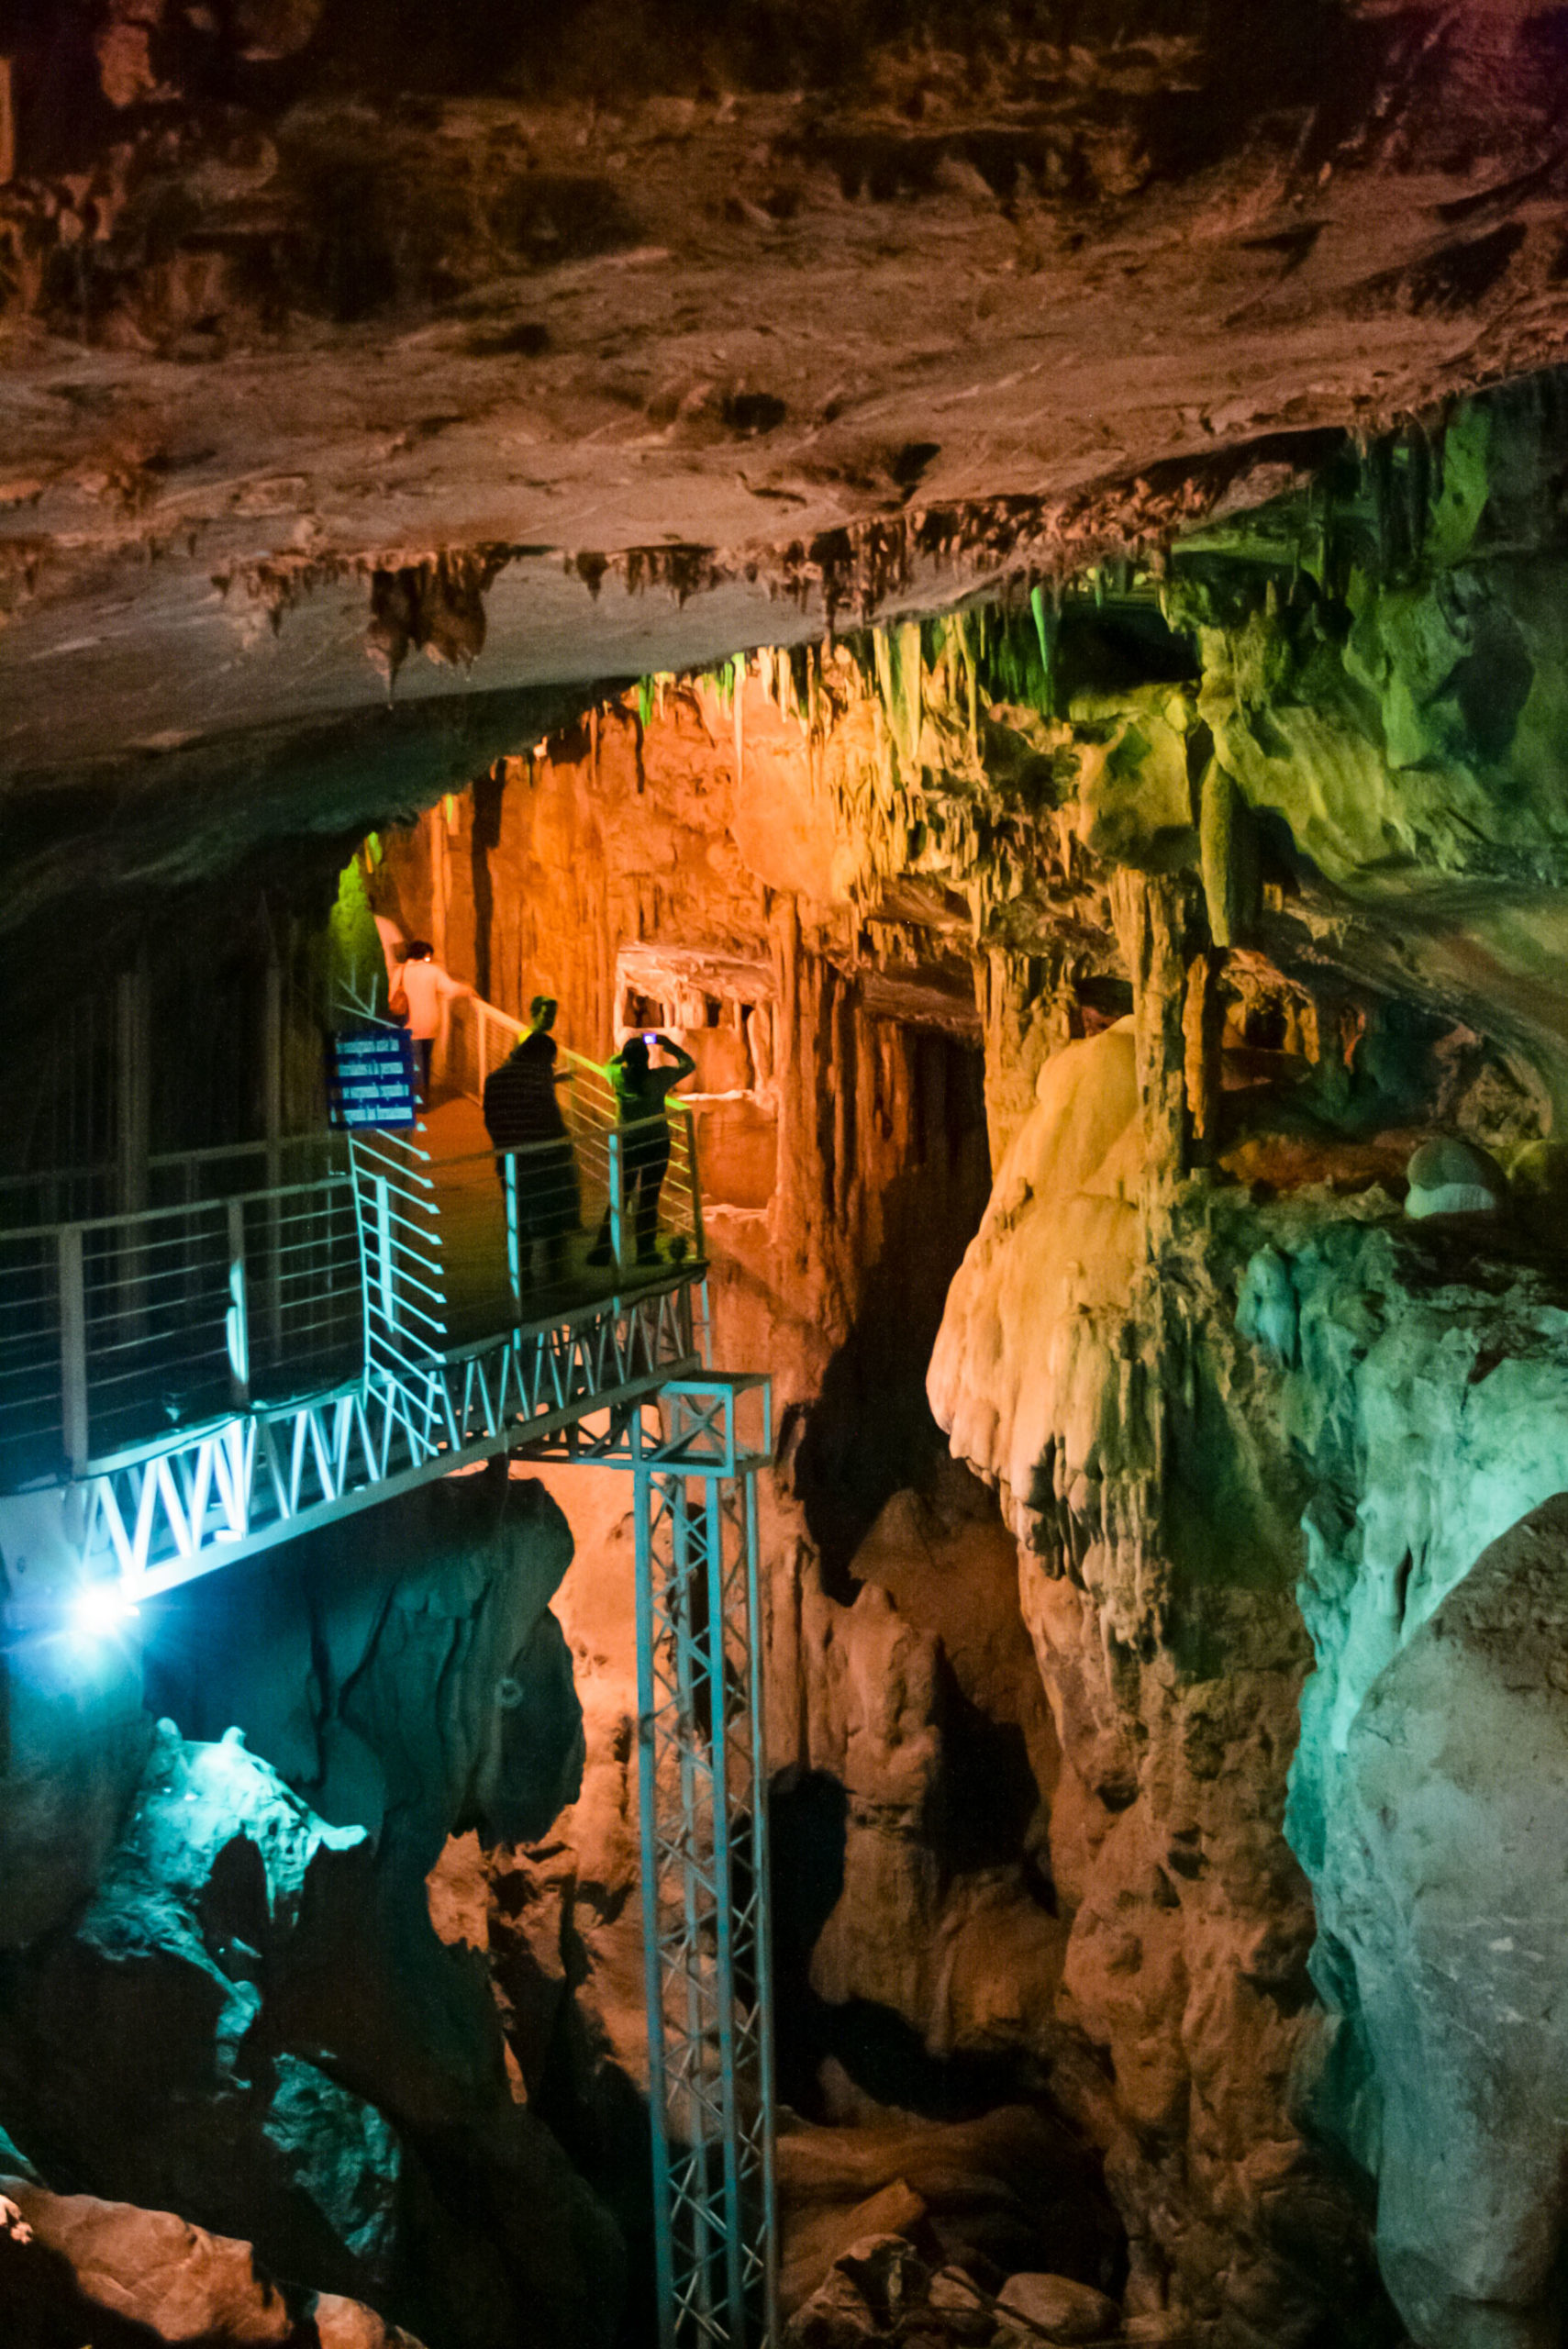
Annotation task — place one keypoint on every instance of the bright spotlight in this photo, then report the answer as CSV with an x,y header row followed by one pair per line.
x,y
98,1611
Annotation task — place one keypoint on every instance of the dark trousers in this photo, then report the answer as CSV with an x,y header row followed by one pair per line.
x,y
645,1155
423,1047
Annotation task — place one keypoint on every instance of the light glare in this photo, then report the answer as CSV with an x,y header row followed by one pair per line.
x,y
99,1610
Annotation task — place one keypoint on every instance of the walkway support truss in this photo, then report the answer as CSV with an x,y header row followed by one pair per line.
x,y
703,1799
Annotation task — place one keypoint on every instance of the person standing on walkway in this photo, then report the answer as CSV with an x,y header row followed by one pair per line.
x,y
423,989
523,1114
641,1091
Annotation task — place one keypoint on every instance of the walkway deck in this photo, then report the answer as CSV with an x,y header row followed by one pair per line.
x,y
192,1384
474,1233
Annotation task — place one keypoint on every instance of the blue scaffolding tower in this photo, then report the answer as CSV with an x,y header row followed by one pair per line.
x,y
703,1799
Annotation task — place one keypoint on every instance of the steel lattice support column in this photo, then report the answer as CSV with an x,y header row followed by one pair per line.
x,y
704,1878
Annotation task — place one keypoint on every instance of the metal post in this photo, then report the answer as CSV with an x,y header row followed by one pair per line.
x,y
514,1245
702,1779
133,1134
133,1106
237,1321
698,1241
725,1920
273,1107
617,1203
644,1506
72,1350
384,1253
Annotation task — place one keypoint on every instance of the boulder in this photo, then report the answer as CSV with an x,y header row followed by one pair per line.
x,y
1451,1176
835,2317
73,2267
817,2240
869,2293
1444,1902
963,2309
889,2275
1054,2306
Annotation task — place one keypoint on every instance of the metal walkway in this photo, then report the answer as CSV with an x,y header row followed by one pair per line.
x,y
184,1387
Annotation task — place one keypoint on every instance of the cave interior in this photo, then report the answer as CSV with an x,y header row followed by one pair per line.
x,y
995,576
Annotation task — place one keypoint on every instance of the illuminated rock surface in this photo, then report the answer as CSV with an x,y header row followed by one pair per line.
x,y
73,2266
1183,1773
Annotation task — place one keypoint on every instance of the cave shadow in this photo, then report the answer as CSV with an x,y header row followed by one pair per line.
x,y
880,2053
870,1433
988,1793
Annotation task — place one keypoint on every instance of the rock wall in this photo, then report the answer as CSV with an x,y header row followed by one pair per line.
x,y
696,846
250,2021
1170,1393
1149,1492
1189,1322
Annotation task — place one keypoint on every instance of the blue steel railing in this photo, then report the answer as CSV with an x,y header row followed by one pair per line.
x,y
118,1333
118,1330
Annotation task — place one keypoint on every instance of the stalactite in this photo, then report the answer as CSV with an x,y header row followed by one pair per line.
x,y
1150,911
1227,850
1203,1025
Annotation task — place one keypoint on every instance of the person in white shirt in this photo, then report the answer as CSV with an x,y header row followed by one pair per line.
x,y
423,988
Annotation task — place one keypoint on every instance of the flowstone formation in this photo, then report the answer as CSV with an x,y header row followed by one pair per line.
x,y
1164,1371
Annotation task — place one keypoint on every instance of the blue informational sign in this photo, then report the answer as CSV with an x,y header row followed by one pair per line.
x,y
370,1078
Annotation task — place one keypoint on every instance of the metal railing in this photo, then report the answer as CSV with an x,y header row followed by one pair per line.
x,y
78,1194
635,1201
122,1333
118,1330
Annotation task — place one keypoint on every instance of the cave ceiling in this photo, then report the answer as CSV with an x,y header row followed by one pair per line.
x,y
568,344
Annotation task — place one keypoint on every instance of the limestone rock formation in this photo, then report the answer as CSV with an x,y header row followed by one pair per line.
x,y
166,1969
403,1672
72,2266
205,1983
1451,1176
1124,1435
1441,1906
1333,1326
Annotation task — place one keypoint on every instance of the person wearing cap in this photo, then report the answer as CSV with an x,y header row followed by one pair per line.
x,y
522,1114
